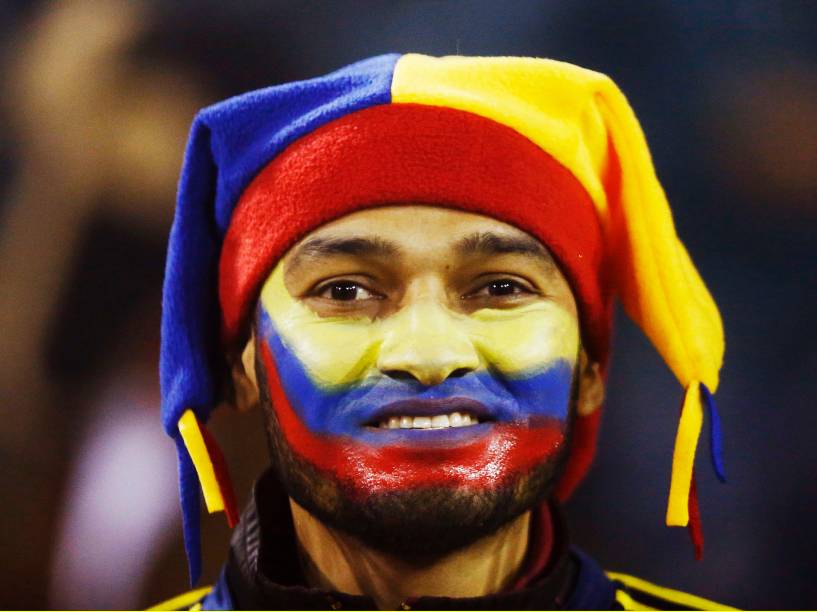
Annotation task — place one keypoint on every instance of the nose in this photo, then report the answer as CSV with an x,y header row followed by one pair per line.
x,y
425,342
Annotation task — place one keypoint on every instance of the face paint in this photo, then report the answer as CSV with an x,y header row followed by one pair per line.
x,y
329,394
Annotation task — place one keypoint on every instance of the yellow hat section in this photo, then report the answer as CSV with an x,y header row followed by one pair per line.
x,y
582,119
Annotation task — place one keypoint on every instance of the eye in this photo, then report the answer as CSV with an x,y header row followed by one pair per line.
x,y
501,288
345,291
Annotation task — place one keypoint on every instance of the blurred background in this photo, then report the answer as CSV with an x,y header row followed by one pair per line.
x,y
97,97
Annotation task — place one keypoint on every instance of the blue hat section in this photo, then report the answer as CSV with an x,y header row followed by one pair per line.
x,y
229,143
191,511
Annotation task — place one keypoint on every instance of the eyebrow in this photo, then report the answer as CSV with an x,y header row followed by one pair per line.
x,y
489,243
478,243
317,248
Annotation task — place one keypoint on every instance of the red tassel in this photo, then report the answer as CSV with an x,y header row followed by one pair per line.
x,y
225,485
696,533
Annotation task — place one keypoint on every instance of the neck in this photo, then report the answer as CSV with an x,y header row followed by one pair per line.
x,y
337,561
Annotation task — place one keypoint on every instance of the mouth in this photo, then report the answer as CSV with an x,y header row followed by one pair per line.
x,y
446,413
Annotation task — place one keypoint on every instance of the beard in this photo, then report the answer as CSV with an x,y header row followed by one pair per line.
x,y
416,524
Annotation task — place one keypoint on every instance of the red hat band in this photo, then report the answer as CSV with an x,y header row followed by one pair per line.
x,y
411,153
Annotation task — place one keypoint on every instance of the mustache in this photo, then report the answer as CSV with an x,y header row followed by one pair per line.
x,y
485,394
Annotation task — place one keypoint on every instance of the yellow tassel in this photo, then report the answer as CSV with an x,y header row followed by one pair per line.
x,y
683,459
197,449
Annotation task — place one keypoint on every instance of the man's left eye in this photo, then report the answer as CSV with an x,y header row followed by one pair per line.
x,y
345,291
501,287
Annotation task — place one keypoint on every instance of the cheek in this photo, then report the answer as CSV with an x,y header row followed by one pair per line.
x,y
544,395
332,351
534,352
524,343
317,370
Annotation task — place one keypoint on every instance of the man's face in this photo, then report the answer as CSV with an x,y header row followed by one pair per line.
x,y
417,370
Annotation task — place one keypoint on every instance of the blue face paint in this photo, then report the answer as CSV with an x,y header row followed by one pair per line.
x,y
525,399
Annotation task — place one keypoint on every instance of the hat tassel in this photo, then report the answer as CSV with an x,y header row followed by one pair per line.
x,y
682,508
683,459
211,468
715,435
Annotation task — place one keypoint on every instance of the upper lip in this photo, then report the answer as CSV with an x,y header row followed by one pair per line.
x,y
431,407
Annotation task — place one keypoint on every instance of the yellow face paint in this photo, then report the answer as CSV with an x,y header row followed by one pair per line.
x,y
525,338
340,350
333,350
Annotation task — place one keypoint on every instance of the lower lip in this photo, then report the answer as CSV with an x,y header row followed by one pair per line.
x,y
381,436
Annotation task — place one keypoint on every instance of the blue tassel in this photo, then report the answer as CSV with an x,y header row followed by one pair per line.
x,y
715,437
191,511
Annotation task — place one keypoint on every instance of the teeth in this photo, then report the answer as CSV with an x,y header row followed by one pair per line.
x,y
439,421
422,422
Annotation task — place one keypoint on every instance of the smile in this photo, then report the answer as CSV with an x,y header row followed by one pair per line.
x,y
438,421
431,414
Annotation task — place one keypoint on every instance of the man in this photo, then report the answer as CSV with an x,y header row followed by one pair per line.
x,y
411,262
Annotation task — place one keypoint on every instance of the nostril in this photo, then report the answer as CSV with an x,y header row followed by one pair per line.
x,y
407,375
399,374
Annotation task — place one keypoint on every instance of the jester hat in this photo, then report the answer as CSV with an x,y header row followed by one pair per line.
x,y
546,146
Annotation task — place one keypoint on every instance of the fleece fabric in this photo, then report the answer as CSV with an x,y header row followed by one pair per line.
x,y
264,168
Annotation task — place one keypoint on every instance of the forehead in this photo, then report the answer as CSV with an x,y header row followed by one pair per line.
x,y
415,230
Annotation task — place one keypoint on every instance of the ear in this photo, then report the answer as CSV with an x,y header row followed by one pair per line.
x,y
591,386
245,384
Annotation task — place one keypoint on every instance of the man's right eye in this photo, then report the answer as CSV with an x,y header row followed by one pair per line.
x,y
345,291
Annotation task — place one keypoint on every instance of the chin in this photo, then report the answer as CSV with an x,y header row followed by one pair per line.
x,y
425,522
